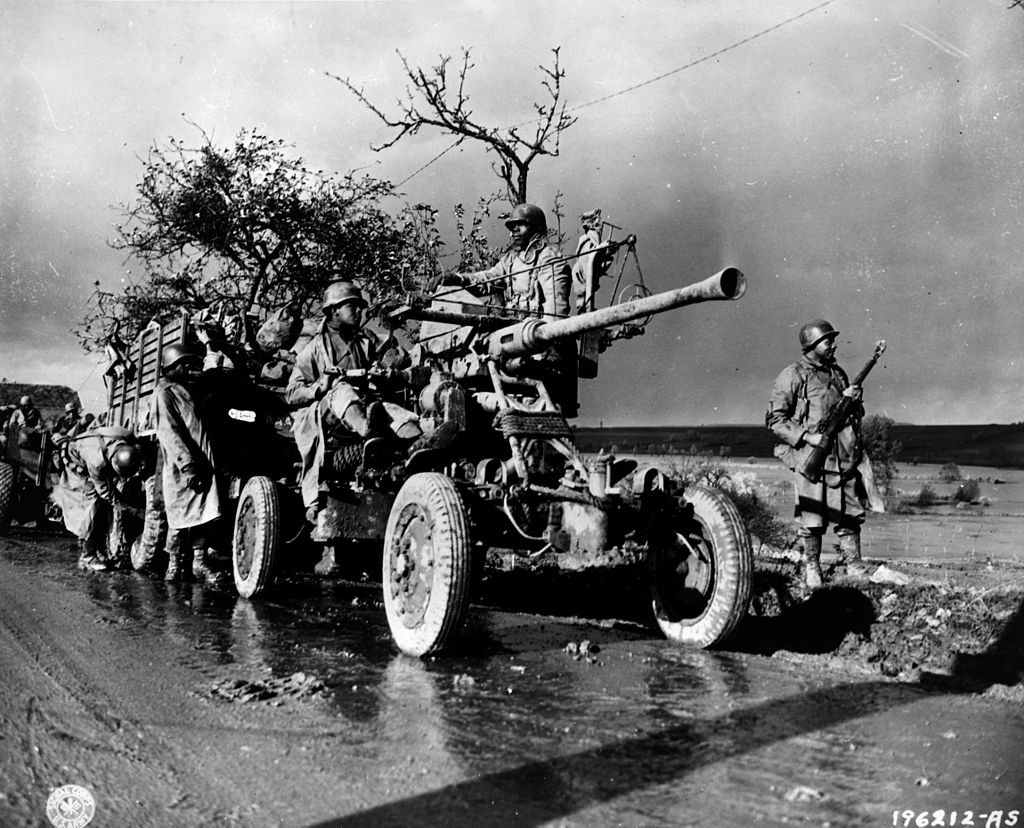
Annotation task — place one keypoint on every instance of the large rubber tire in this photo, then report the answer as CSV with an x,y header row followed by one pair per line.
x,y
426,572
7,495
148,548
700,584
256,534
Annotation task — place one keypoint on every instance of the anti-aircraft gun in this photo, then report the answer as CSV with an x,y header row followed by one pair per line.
x,y
512,478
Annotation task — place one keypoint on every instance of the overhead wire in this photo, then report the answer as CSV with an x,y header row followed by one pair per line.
x,y
696,62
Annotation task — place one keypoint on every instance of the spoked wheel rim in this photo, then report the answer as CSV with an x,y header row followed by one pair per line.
x,y
701,570
245,535
411,563
687,573
426,564
255,536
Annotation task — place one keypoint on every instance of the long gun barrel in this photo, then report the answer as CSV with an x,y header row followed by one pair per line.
x,y
535,335
814,464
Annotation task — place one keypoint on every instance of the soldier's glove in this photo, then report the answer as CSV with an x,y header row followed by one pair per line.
x,y
195,481
454,280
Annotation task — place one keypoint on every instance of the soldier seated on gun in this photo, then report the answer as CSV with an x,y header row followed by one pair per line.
x,y
531,275
534,279
92,464
318,383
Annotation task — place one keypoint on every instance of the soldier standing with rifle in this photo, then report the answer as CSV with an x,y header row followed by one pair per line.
x,y
815,411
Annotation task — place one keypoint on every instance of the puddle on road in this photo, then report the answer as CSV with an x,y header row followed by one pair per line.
x,y
515,723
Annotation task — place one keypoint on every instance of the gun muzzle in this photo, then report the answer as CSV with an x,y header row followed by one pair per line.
x,y
535,335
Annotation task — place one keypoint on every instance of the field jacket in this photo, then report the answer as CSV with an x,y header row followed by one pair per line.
x,y
803,396
537,283
306,389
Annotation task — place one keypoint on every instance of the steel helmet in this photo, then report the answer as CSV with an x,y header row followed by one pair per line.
x,y
26,400
126,460
529,214
813,332
337,293
174,353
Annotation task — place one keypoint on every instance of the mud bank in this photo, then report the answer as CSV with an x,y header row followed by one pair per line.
x,y
914,621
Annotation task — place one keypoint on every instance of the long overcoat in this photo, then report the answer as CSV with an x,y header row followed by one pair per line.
x,y
87,483
305,389
187,454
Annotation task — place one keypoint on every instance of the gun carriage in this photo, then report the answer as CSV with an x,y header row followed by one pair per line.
x,y
510,477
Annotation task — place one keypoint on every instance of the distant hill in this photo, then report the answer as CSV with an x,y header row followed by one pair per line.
x,y
49,399
1001,446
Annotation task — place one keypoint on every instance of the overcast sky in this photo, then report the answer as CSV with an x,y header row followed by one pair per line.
x,y
862,163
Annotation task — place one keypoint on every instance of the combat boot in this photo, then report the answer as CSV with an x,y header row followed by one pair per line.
x,y
849,552
328,565
812,561
372,421
179,556
201,569
87,559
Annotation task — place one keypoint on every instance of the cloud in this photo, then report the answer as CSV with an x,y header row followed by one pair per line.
x,y
851,167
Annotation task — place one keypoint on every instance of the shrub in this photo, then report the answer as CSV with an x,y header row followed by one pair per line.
x,y
926,497
950,473
760,517
968,492
900,506
881,448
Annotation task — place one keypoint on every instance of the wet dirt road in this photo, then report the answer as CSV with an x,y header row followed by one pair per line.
x,y
184,705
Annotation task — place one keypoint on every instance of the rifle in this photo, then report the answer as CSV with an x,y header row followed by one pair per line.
x,y
813,466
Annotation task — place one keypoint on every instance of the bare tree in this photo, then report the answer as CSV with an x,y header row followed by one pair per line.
x,y
438,98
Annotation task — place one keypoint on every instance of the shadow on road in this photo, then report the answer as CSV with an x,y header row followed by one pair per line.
x,y
538,792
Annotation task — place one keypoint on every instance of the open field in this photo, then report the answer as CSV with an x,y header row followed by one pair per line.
x,y
990,530
1000,446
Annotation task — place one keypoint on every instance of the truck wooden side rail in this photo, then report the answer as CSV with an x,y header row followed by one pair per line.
x,y
128,395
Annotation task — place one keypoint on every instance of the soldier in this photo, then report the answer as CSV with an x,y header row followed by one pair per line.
x,y
27,417
533,278
88,489
6,412
191,499
317,383
67,422
803,396
530,275
220,354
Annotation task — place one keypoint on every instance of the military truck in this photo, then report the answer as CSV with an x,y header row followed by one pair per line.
x,y
247,424
25,470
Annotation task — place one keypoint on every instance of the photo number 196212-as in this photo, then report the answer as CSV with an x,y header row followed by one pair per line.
x,y
984,819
